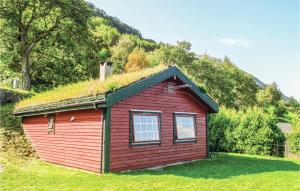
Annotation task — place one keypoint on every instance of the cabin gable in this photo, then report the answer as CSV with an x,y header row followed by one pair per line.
x,y
124,156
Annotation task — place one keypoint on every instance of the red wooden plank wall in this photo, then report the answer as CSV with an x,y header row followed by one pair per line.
x,y
124,157
75,143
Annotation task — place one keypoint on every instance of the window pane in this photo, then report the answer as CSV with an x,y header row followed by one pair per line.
x,y
51,124
146,127
185,127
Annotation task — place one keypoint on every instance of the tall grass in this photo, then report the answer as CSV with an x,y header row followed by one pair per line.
x,y
88,88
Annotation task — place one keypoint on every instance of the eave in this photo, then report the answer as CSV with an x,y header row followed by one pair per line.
x,y
92,102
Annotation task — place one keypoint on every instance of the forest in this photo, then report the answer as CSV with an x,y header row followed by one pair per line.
x,y
49,43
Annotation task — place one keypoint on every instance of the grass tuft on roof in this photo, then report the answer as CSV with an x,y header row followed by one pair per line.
x,y
88,88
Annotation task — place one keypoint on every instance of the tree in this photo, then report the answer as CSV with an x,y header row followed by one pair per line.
x,y
103,34
226,83
115,22
184,45
36,20
293,105
270,98
168,55
269,95
136,60
120,52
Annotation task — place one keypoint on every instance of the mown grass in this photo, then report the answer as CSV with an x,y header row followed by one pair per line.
x,y
228,172
88,88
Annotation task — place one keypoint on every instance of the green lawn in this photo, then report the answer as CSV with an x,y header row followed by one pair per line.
x,y
228,172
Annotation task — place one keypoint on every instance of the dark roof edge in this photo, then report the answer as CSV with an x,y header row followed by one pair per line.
x,y
67,105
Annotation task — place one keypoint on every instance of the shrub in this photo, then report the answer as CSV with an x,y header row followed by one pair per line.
x,y
257,133
253,131
15,143
221,127
293,140
136,60
12,137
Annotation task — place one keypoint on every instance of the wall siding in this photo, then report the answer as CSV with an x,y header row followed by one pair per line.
x,y
123,157
75,144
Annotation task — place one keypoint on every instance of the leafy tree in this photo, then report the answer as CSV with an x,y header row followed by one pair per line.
x,y
184,45
104,35
270,98
293,105
120,52
269,95
136,60
36,20
63,60
170,55
114,22
103,54
227,84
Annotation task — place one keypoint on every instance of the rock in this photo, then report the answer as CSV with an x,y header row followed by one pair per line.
x,y
9,96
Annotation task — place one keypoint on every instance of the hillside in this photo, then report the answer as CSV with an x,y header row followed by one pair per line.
x,y
263,85
72,53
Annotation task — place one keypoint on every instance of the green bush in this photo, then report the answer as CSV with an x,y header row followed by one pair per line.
x,y
257,133
293,140
253,131
221,128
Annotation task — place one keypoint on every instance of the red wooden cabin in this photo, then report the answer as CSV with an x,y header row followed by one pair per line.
x,y
157,120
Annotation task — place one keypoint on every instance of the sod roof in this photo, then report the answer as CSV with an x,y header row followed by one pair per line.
x,y
87,88
95,93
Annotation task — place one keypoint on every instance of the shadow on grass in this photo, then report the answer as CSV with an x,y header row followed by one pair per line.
x,y
223,167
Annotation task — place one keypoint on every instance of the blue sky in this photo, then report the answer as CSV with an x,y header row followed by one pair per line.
x,y
261,37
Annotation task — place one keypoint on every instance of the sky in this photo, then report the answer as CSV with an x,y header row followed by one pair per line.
x,y
262,37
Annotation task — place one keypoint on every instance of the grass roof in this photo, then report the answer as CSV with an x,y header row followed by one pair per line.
x,y
88,88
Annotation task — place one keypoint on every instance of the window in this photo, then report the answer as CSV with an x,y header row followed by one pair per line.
x,y
51,124
145,127
184,127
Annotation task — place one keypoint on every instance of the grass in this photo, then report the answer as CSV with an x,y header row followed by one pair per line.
x,y
7,120
228,172
17,91
88,88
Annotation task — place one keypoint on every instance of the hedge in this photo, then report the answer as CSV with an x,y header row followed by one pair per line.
x,y
253,131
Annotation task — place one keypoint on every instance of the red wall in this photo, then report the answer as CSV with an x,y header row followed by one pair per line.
x,y
74,144
124,157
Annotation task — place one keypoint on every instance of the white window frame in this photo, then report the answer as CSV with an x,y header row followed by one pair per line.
x,y
132,141
184,114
